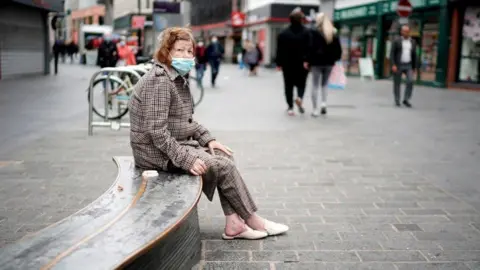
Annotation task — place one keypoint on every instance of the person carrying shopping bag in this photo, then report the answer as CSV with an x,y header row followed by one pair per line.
x,y
324,51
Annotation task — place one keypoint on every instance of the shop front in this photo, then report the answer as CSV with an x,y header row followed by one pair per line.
x,y
368,31
465,46
358,35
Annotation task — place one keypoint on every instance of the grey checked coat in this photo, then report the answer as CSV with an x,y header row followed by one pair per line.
x,y
162,127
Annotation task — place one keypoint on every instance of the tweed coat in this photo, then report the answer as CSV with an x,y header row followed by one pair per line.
x,y
162,127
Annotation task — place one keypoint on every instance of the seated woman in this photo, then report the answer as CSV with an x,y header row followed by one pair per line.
x,y
165,137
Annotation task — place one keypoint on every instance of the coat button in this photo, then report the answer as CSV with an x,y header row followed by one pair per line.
x,y
190,120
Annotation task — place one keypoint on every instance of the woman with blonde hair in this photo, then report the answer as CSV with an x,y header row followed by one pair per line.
x,y
164,136
324,51
251,56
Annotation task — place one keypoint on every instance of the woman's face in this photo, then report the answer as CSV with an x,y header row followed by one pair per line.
x,y
182,49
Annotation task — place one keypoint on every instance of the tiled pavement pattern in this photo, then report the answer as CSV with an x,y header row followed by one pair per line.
x,y
368,187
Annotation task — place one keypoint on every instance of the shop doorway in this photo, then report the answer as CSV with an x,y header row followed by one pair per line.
x,y
424,31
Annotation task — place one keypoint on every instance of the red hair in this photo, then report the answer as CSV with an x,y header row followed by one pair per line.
x,y
166,41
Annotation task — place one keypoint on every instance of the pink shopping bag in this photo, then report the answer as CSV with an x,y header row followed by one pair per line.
x,y
337,79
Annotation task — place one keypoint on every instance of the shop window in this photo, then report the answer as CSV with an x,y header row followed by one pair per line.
x,y
429,48
355,49
470,50
371,35
345,42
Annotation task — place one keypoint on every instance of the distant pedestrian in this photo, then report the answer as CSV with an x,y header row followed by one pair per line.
x,y
72,50
252,56
56,50
215,53
201,64
107,52
292,50
404,61
126,57
325,50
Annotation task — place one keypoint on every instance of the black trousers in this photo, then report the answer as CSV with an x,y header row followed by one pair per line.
x,y
294,77
55,63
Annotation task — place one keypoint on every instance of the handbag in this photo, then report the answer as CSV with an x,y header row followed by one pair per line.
x,y
337,79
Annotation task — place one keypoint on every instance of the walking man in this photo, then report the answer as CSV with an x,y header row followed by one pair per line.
x,y
292,50
215,53
404,61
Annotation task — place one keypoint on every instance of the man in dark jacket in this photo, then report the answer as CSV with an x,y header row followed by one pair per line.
x,y
292,49
107,52
215,53
404,60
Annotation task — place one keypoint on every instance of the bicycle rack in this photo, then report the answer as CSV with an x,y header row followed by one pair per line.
x,y
113,124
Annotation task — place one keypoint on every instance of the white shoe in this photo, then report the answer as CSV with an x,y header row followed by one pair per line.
x,y
273,228
249,234
290,112
316,113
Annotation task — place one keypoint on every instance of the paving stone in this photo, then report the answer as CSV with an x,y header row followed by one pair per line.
x,y
282,256
223,255
347,245
236,265
391,256
432,266
348,205
408,244
452,255
473,265
372,227
288,245
407,227
397,205
362,236
303,266
424,212
383,212
328,256
364,266
232,245
436,236
459,245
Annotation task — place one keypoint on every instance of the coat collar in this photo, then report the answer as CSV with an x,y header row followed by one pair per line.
x,y
171,73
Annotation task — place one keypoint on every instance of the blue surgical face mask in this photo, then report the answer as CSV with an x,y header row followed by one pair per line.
x,y
183,65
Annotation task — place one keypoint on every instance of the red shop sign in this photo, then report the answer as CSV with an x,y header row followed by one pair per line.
x,y
238,18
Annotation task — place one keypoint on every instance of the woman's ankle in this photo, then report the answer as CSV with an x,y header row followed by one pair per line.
x,y
234,225
256,222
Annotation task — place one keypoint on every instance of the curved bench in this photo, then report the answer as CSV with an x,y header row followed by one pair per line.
x,y
140,222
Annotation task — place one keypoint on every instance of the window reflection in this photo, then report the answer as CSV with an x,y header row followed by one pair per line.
x,y
470,50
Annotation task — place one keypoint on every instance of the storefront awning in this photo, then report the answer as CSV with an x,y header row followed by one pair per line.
x,y
48,5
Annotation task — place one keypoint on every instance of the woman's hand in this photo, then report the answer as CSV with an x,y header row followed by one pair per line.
x,y
216,145
199,167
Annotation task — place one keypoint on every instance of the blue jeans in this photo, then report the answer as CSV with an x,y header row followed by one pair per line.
x,y
214,66
200,72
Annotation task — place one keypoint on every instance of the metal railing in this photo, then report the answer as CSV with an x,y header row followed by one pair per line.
x,y
113,124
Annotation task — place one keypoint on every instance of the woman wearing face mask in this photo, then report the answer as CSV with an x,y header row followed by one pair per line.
x,y
125,54
164,136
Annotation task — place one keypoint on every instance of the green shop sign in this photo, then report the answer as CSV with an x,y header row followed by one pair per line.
x,y
382,7
356,12
391,6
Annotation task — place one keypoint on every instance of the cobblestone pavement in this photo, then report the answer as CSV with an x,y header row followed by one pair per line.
x,y
368,187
